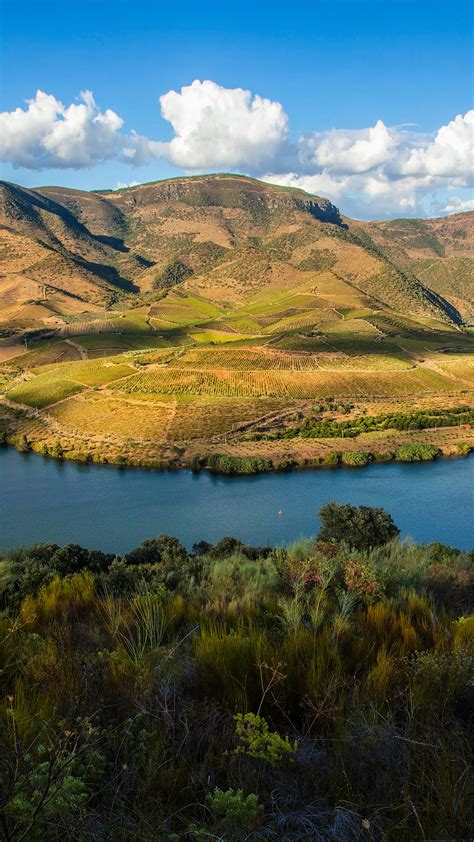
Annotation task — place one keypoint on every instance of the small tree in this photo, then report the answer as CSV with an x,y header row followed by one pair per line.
x,y
361,527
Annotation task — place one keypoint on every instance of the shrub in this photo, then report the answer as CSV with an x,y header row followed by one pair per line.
x,y
56,451
234,816
173,274
238,578
168,557
416,452
23,445
332,458
61,599
228,663
361,580
256,739
382,456
223,464
356,458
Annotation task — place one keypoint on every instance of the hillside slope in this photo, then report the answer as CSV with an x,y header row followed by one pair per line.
x,y
273,257
439,252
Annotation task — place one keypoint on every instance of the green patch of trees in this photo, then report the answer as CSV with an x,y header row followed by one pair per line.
x,y
173,274
224,464
362,527
320,428
356,458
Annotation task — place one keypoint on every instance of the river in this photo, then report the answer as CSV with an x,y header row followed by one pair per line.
x,y
113,509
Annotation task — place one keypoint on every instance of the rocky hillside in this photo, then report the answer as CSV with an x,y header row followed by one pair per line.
x,y
230,240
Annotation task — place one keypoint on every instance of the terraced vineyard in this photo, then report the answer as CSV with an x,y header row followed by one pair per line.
x,y
296,383
99,414
250,360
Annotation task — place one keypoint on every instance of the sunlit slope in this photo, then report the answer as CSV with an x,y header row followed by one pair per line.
x,y
244,256
439,252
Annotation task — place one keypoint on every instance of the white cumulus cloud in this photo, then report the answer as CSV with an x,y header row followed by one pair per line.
x,y
382,170
449,155
123,185
49,134
218,127
349,151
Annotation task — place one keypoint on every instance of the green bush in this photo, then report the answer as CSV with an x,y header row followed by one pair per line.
x,y
416,453
382,456
234,814
333,458
223,464
256,739
361,527
356,458
56,451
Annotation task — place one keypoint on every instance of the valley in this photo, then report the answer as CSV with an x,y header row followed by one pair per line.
x,y
211,317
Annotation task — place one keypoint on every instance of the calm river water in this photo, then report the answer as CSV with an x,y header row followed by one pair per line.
x,y
114,509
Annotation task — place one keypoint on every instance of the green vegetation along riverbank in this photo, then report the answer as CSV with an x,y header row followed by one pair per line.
x,y
320,691
421,435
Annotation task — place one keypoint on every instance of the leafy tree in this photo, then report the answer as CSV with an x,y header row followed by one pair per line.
x,y
361,527
232,546
73,558
164,550
169,557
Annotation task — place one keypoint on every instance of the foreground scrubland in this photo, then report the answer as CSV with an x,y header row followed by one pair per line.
x,y
321,691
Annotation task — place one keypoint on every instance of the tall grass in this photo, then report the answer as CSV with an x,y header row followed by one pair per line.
x,y
121,688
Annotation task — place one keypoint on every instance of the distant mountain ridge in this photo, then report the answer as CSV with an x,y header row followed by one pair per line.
x,y
231,240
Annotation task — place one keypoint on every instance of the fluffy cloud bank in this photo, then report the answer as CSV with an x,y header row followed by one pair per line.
x,y
47,134
374,170
385,169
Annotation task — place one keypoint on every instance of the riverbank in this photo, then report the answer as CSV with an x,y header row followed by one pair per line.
x,y
312,435
246,459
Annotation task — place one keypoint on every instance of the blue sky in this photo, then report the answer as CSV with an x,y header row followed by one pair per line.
x,y
348,66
